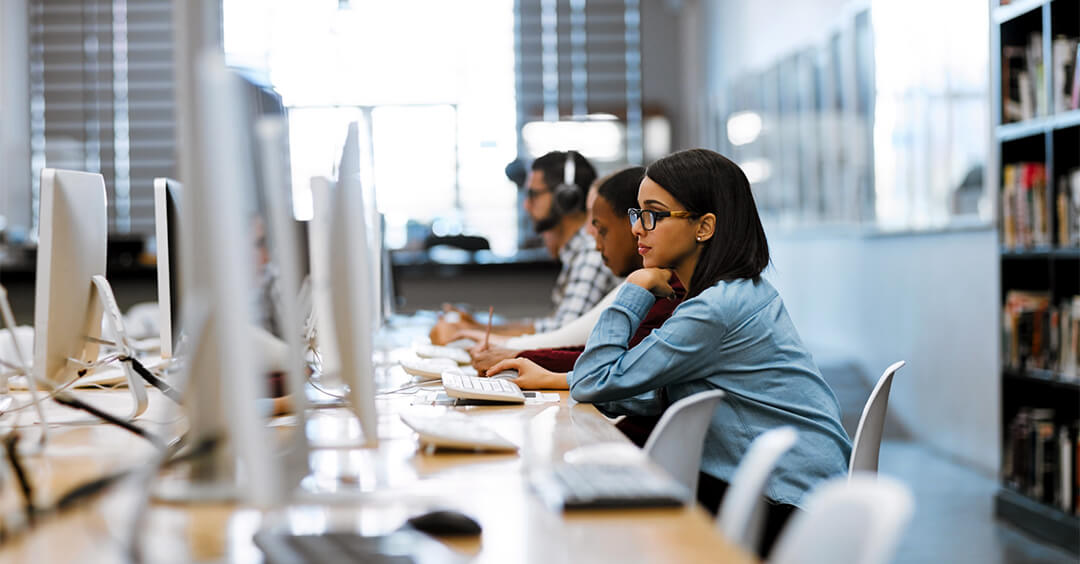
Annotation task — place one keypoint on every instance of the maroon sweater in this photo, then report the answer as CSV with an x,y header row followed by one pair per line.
x,y
562,359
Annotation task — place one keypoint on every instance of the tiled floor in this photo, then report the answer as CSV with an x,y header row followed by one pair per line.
x,y
954,514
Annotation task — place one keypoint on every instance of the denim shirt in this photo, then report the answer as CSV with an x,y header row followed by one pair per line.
x,y
734,336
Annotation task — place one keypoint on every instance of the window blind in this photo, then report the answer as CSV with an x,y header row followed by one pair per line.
x,y
101,99
578,57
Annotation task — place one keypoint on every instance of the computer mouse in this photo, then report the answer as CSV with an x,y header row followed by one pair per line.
x,y
510,374
445,523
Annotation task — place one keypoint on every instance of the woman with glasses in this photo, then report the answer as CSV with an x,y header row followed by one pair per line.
x,y
697,222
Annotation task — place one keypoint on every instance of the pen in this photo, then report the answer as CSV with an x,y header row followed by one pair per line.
x,y
491,312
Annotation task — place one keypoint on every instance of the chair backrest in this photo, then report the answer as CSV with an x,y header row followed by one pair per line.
x,y
743,511
679,437
847,521
867,443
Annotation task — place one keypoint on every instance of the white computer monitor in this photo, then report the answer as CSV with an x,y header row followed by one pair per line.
x,y
222,367
358,158
71,294
319,280
352,277
167,194
72,241
271,134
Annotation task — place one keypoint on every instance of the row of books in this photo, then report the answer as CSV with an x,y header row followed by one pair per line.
x,y
1032,214
1040,458
1023,75
1037,334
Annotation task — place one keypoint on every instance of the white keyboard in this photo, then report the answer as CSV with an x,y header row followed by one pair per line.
x,y
489,389
449,431
455,354
428,368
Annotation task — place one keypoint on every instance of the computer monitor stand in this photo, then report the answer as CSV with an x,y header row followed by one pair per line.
x,y
116,320
212,475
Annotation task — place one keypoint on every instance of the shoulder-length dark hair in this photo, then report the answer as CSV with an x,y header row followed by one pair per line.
x,y
707,182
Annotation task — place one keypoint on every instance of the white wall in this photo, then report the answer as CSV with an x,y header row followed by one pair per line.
x,y
930,299
15,114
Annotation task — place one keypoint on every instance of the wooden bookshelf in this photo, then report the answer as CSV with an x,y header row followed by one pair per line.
x,y
1047,139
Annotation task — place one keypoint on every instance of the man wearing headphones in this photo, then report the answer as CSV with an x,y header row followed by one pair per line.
x,y
555,192
555,200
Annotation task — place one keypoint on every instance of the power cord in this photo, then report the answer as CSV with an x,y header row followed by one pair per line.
x,y
67,400
151,379
12,525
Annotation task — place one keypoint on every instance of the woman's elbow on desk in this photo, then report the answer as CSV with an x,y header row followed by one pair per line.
x,y
589,387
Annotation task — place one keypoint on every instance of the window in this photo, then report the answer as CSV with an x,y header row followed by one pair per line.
x,y
434,78
931,132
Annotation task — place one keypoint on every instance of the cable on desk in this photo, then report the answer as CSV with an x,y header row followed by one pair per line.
x,y
48,396
153,380
409,386
10,526
11,443
89,489
311,382
68,400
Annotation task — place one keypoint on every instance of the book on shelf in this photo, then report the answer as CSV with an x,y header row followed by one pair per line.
x,y
1040,335
1068,334
1037,70
1025,205
1074,99
1063,53
1023,88
1040,458
1068,209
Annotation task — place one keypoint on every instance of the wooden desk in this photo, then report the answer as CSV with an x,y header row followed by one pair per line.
x,y
372,491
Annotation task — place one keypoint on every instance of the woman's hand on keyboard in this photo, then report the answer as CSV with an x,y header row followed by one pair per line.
x,y
531,376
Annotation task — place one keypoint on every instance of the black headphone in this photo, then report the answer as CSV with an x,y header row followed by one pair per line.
x,y
568,195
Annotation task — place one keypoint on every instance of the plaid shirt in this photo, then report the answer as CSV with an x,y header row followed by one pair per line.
x,y
582,282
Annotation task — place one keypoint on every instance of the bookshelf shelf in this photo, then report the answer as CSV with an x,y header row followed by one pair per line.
x,y
1038,126
1037,253
1039,169
1065,119
1021,129
1038,519
1011,11
1047,377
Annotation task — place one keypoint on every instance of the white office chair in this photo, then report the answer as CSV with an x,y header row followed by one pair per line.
x,y
742,513
678,439
847,521
867,443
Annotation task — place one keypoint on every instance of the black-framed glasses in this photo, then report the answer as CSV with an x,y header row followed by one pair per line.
x,y
649,218
534,193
